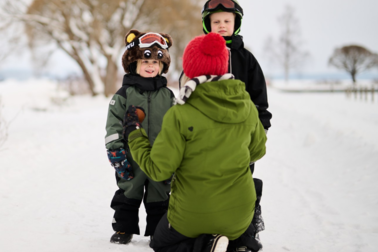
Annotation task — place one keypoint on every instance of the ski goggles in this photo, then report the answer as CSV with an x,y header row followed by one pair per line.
x,y
149,39
229,5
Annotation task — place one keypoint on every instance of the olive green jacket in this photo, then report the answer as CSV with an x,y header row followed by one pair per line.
x,y
208,143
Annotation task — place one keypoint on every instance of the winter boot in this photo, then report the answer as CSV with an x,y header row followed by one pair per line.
x,y
121,237
218,243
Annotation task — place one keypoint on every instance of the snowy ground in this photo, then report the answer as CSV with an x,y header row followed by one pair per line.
x,y
320,173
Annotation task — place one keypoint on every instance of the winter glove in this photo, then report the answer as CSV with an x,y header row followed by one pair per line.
x,y
131,121
118,160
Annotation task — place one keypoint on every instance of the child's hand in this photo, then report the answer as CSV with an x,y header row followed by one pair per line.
x,y
118,160
131,121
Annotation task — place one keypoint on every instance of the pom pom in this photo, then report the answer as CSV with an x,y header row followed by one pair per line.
x,y
206,55
212,44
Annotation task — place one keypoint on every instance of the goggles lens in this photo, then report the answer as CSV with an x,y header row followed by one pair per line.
x,y
149,39
213,4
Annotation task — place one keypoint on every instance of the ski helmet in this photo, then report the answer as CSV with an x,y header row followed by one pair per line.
x,y
213,6
146,45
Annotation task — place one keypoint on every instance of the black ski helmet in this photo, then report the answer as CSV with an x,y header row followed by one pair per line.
x,y
213,6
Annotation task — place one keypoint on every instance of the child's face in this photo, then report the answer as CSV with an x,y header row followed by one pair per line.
x,y
223,23
149,68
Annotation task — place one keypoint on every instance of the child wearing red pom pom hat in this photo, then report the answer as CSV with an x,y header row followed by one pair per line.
x,y
208,141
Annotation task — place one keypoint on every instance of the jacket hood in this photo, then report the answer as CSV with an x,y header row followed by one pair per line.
x,y
223,101
145,84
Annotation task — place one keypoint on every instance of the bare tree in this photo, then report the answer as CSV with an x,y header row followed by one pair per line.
x,y
287,50
92,31
186,24
10,40
353,59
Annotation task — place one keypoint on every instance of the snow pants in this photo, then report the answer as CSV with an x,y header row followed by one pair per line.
x,y
167,239
128,198
257,221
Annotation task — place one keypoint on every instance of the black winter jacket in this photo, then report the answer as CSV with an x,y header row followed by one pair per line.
x,y
245,67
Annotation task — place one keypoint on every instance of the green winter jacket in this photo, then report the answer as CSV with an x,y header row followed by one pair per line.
x,y
208,143
151,94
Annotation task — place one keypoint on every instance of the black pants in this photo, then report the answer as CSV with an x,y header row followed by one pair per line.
x,y
167,239
257,221
126,216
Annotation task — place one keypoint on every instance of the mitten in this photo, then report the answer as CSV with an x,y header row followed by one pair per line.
x,y
118,160
131,121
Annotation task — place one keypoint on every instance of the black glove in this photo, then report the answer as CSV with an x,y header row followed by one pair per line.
x,y
131,121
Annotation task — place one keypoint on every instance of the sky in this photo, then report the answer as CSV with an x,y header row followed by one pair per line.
x,y
325,25
320,173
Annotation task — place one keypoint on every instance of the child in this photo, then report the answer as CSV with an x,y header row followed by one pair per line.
x,y
208,143
145,59
225,18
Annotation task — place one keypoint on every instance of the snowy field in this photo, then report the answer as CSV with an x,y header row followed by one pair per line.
x,y
320,173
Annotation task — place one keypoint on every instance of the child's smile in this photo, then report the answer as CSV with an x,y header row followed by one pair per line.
x,y
149,68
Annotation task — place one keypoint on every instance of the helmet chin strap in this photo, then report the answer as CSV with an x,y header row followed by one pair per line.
x,y
228,39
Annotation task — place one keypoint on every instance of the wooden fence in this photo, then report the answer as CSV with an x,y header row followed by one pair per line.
x,y
361,93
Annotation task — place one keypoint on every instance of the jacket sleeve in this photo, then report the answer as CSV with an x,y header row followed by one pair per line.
x,y
257,147
162,160
116,112
257,90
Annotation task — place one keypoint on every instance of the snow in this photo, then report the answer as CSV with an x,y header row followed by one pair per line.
x,y
320,171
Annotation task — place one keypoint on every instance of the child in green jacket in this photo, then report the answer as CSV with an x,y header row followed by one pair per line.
x,y
208,142
145,59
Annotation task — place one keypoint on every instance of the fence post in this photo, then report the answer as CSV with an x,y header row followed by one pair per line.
x,y
347,92
372,93
366,93
355,93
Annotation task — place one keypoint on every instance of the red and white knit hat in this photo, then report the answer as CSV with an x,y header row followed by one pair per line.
x,y
206,55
